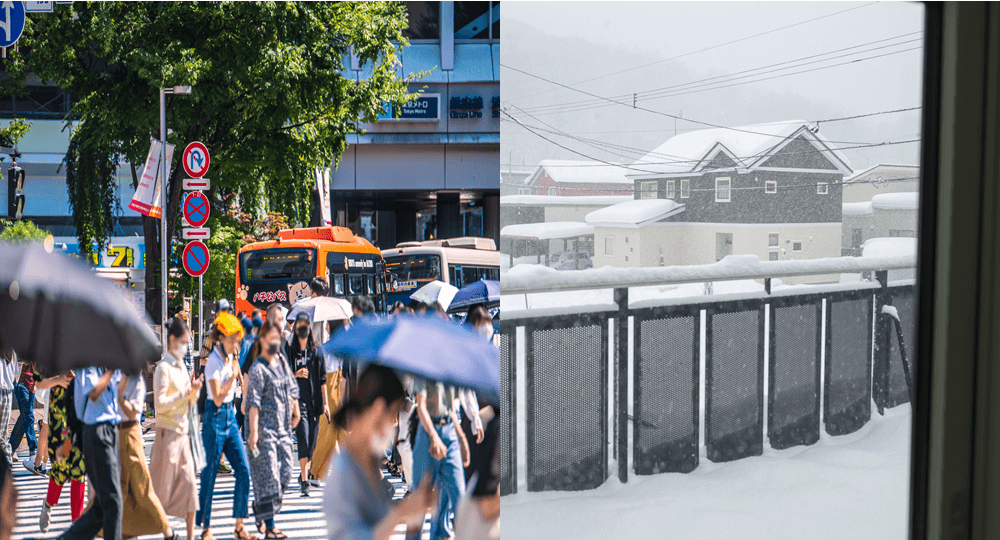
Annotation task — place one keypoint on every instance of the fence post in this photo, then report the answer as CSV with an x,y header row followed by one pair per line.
x,y
880,360
621,381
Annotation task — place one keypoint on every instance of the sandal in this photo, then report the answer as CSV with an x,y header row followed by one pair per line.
x,y
275,534
207,535
241,534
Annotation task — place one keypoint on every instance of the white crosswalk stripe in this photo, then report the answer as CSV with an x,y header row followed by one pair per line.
x,y
301,518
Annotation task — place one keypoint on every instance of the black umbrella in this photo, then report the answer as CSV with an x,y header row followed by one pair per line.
x,y
56,312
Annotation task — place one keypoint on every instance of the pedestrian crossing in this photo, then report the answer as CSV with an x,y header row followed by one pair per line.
x,y
301,518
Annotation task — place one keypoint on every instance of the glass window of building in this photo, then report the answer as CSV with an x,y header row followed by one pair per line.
x,y
473,20
424,20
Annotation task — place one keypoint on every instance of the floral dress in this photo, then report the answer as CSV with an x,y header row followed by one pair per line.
x,y
72,467
273,390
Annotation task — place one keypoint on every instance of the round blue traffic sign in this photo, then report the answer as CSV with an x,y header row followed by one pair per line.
x,y
195,208
11,22
195,258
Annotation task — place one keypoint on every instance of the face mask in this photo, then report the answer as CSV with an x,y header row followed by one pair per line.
x,y
486,330
302,331
181,350
381,443
272,349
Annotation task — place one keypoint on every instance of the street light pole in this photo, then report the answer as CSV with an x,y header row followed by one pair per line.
x,y
163,218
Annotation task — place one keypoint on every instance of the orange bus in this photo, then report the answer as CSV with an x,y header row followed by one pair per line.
x,y
280,270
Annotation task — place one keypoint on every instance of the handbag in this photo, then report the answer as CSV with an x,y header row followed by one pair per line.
x,y
194,434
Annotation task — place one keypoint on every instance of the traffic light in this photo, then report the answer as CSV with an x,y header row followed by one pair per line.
x,y
15,191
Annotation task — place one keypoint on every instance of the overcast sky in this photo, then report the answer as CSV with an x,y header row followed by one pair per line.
x,y
570,42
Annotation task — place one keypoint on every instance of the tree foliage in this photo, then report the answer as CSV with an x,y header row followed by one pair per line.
x,y
21,231
269,99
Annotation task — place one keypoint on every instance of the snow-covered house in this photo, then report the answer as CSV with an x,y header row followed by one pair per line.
x,y
772,190
861,186
569,178
889,215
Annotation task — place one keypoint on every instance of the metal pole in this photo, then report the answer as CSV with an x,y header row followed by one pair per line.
x,y
201,323
163,219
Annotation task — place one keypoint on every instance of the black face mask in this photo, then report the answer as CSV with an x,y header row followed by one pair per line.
x,y
272,349
302,331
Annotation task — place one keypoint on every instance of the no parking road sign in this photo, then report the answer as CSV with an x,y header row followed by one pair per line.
x,y
195,208
196,159
195,258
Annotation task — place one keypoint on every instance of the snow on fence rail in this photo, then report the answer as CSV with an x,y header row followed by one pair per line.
x,y
534,278
716,377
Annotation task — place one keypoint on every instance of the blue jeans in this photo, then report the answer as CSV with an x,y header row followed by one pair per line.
x,y
448,474
221,435
25,426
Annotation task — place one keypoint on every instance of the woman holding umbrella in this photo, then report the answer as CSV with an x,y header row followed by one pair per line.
x,y
354,503
219,431
271,416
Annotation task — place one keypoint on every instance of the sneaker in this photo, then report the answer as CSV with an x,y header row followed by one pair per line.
x,y
314,482
38,470
305,488
224,469
43,518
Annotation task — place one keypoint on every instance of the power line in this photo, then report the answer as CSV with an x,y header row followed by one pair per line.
x,y
707,48
647,94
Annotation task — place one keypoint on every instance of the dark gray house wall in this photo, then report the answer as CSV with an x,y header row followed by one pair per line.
x,y
799,154
795,202
516,215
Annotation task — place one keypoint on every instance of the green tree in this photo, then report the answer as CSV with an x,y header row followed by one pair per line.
x,y
21,231
269,101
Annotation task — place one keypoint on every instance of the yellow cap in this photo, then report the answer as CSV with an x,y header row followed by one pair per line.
x,y
228,324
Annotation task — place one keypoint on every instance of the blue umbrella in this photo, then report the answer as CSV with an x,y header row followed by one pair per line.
x,y
484,291
428,347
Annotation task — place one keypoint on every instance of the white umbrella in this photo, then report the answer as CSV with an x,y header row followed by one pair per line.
x,y
436,291
322,308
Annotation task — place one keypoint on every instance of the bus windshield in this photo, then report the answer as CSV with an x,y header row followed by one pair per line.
x,y
414,267
277,264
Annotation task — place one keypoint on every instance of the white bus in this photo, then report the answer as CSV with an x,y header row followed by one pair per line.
x,y
456,261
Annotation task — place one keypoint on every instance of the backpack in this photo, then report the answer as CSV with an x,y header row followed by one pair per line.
x,y
73,423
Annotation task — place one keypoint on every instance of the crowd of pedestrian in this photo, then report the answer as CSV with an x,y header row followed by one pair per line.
x,y
261,394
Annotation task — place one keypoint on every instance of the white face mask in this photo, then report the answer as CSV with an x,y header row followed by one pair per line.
x,y
181,351
486,330
382,443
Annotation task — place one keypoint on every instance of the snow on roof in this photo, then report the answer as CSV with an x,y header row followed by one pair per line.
x,y
897,201
857,208
634,213
890,247
564,171
859,174
681,153
559,200
547,231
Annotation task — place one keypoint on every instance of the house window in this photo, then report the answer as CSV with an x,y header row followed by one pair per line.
x,y
553,191
772,240
796,246
670,189
524,191
685,189
722,190
647,190
772,256
822,188
902,233
771,186
609,246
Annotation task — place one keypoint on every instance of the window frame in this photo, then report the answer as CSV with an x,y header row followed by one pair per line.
x,y
670,191
645,193
606,239
490,39
800,244
685,188
777,240
771,187
524,191
773,255
553,191
822,188
729,190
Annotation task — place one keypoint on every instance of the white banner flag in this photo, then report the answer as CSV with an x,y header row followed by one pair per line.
x,y
146,200
323,186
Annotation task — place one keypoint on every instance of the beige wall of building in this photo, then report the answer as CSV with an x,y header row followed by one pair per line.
x,y
882,179
565,212
685,244
879,224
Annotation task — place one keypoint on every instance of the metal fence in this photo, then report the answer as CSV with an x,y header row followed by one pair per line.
x,y
826,357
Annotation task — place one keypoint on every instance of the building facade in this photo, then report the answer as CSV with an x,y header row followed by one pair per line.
x,y
430,169
565,178
772,190
888,215
878,179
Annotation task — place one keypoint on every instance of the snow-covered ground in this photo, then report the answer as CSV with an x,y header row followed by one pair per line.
x,y
854,486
